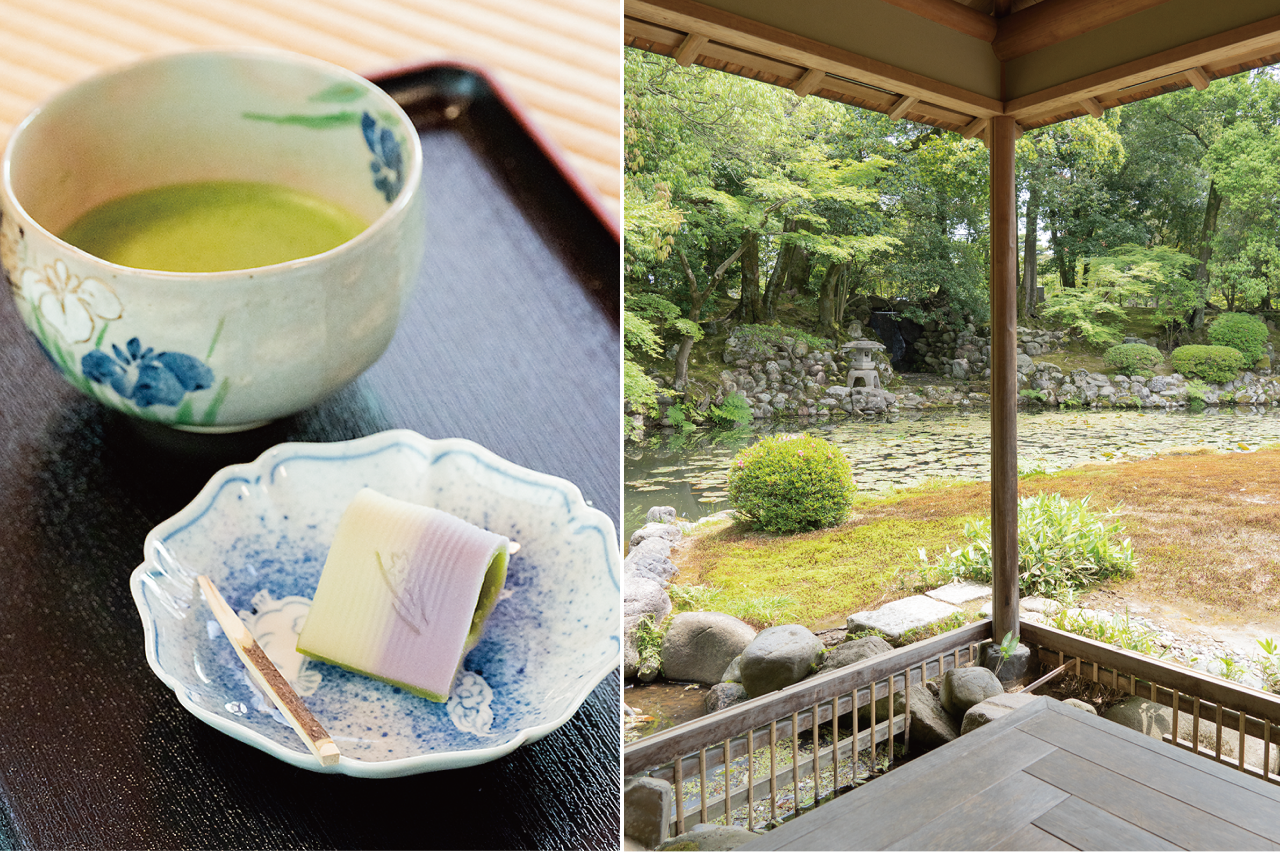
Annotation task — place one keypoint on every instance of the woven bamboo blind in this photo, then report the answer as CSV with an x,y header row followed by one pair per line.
x,y
560,58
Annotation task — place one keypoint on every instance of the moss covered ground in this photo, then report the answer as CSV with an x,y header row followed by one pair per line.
x,y
1205,528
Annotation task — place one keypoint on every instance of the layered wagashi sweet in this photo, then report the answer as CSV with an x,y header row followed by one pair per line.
x,y
404,593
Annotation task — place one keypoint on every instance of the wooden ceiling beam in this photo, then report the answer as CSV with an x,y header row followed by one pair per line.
x,y
1260,38
727,28
809,82
953,15
1197,77
905,103
1054,21
688,50
1091,106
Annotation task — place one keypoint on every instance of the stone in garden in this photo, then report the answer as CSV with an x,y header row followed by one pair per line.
x,y
960,592
1081,705
661,515
994,708
1048,606
647,804
931,725
705,837
779,657
963,688
670,532
1156,721
699,646
652,558
894,619
854,651
733,674
641,596
724,695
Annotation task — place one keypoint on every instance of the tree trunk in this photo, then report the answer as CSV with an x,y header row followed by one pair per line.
x,y
778,276
1066,269
827,300
1029,271
1207,230
749,302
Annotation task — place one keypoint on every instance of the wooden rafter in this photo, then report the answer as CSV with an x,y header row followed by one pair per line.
x,y
1260,38
688,50
1197,77
1055,21
950,14
745,34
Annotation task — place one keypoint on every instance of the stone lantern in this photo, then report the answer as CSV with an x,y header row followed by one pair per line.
x,y
863,369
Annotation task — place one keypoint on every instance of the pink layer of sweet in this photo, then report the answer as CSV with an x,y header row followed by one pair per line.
x,y
423,647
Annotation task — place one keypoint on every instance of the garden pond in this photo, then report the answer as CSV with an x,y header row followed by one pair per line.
x,y
688,470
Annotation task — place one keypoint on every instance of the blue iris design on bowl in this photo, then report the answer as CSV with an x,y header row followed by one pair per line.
x,y
145,376
387,164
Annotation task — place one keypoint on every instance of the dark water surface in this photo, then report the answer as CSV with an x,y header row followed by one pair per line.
x,y
688,470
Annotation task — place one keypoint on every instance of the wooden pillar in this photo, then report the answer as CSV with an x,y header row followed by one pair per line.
x,y
1001,135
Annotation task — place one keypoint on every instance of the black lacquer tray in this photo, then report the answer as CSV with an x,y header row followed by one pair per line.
x,y
511,341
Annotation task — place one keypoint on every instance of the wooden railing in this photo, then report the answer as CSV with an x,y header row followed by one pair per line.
x,y
1219,708
747,754
701,758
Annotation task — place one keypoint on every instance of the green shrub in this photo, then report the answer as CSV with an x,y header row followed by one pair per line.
x,y
1212,363
1244,333
733,411
649,646
788,483
757,342
1133,359
1063,548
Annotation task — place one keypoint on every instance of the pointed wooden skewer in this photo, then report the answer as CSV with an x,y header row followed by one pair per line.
x,y
268,677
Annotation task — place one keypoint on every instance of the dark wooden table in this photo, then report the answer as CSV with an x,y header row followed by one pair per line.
x,y
511,341
1047,777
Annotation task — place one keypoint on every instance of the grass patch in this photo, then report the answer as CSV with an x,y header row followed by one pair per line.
x,y
1205,530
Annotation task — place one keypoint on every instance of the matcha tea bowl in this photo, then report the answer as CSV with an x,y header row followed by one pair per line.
x,y
216,239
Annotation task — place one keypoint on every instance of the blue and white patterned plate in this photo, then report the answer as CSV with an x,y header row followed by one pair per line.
x,y
261,532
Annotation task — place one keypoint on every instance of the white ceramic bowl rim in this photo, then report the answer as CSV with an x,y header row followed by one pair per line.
x,y
412,182
264,468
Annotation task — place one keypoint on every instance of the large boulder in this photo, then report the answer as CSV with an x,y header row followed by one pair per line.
x,y
724,695
931,725
670,532
779,657
661,515
854,651
699,646
962,688
651,558
641,596
706,837
994,708
647,804
1156,721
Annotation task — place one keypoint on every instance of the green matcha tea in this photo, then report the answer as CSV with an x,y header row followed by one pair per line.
x,y
212,226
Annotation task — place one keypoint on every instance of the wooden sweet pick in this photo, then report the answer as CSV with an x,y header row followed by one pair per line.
x,y
268,677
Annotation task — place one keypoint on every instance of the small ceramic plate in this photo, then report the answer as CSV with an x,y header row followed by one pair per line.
x,y
261,532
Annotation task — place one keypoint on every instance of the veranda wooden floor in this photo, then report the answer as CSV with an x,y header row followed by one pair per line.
x,y
1047,777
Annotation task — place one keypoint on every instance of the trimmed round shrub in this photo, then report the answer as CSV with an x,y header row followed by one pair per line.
x,y
1212,363
790,483
1245,333
1133,358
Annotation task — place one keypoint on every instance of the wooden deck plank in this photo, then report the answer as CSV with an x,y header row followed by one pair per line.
x,y
982,821
1033,839
1218,770
1085,826
1164,816
1156,768
889,807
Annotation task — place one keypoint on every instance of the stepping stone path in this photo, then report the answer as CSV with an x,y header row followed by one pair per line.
x,y
895,619
960,593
